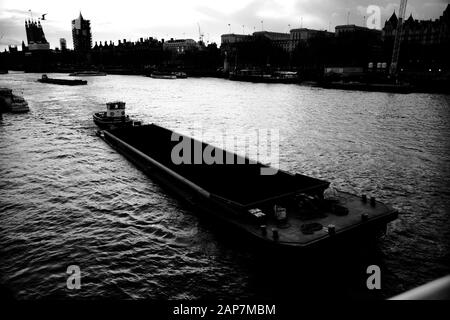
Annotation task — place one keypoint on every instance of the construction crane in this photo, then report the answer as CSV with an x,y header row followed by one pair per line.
x,y
200,34
397,40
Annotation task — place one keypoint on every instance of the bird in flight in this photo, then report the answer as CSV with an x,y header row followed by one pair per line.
x,y
43,16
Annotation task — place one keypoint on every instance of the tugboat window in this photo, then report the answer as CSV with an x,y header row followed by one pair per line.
x,y
112,114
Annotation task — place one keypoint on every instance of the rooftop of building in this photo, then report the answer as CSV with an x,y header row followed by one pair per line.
x,y
235,35
269,32
306,29
179,40
354,26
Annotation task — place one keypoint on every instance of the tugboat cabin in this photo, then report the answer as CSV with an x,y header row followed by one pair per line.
x,y
115,109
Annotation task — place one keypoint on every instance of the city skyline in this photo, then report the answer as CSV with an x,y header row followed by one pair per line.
x,y
181,19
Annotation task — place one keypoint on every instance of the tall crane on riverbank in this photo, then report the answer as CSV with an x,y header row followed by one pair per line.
x,y
397,40
200,34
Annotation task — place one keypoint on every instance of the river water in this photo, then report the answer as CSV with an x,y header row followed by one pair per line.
x,y
67,198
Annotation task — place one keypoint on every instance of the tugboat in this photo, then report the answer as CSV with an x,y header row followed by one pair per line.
x,y
114,117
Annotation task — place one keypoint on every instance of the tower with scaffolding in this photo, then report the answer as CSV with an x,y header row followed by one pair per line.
x,y
35,36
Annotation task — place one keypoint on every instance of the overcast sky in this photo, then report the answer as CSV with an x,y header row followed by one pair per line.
x,y
132,19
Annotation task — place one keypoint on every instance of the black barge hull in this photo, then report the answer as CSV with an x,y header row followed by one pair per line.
x,y
227,192
261,79
65,82
371,87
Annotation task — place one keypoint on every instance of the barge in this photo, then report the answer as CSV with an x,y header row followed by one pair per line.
x,y
259,76
67,82
282,209
372,87
87,74
163,75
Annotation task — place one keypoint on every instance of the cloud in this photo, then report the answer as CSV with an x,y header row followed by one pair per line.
x,y
24,13
133,19
12,31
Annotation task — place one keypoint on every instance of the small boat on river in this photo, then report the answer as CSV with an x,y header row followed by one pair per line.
x,y
10,102
279,209
181,75
113,117
67,82
19,104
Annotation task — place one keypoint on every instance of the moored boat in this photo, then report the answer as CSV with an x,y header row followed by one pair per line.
x,y
376,87
87,73
281,209
181,75
255,75
67,82
163,75
10,102
18,104
113,117
5,99
285,76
